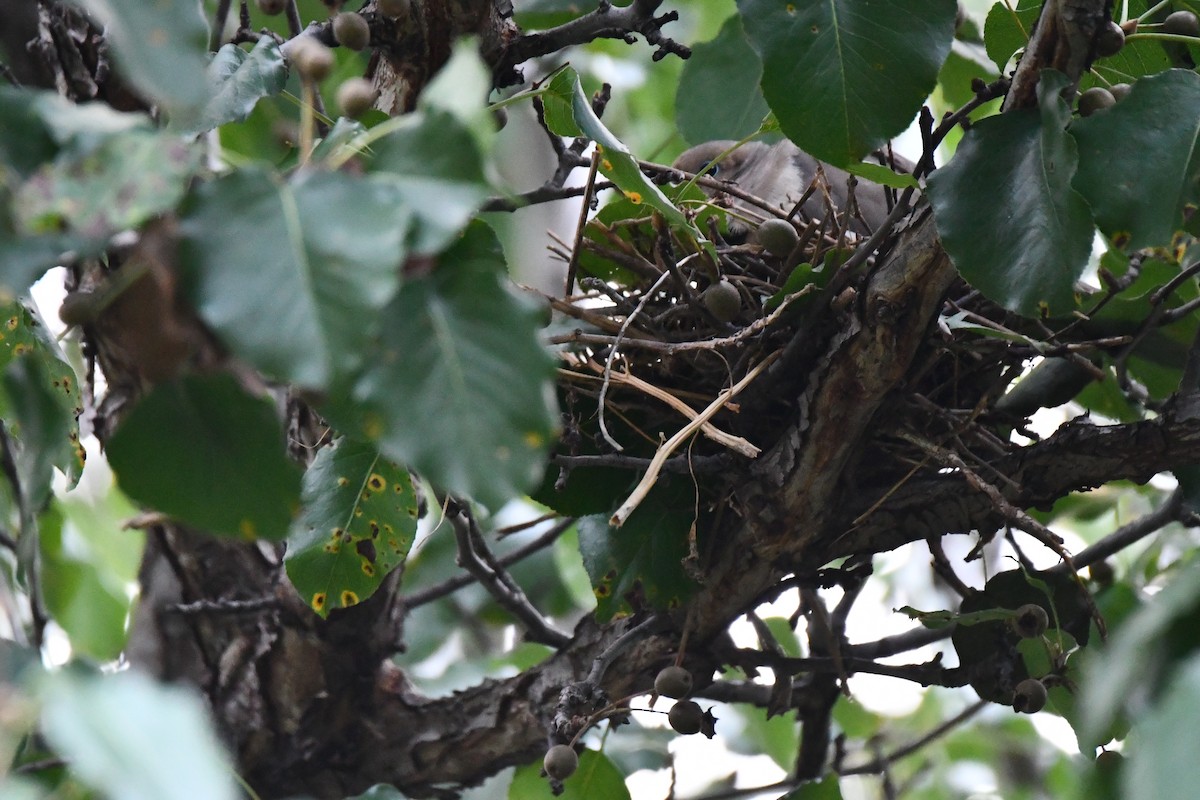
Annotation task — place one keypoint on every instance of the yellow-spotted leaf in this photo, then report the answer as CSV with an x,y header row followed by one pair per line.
x,y
359,519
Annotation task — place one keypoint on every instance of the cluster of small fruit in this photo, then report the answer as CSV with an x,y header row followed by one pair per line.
x,y
778,238
1109,42
1030,622
314,61
685,716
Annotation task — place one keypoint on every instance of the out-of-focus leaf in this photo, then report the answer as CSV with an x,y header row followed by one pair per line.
x,y
120,184
324,247
596,777
459,386
237,80
380,791
844,76
131,738
1006,211
460,89
640,563
754,734
718,95
1139,201
1163,763
359,520
203,451
433,164
84,594
160,48
1139,655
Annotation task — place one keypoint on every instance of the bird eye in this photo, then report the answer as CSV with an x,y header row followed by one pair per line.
x,y
709,168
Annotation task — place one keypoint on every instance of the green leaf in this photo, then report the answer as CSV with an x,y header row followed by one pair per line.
x,y
1006,29
1139,655
569,113
39,402
641,562
237,80
131,738
127,179
160,47
1005,209
458,387
433,164
777,737
718,95
203,451
1139,200
324,247
460,89
359,520
844,76
1163,763
596,777
86,571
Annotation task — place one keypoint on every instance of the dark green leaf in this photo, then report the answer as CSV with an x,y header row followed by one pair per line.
x,y
358,523
237,80
432,163
718,95
131,738
160,47
640,563
1137,199
844,76
203,451
459,387
325,248
597,777
120,184
1006,211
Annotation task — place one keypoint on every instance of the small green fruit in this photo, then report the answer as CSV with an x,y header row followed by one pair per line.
x,y
351,31
1120,91
1182,23
1030,696
313,60
560,762
776,236
1109,40
355,97
1031,621
673,682
271,7
1095,99
686,717
394,8
722,301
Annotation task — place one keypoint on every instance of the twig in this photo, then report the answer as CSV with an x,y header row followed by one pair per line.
x,y
735,443
603,661
1127,534
881,763
437,591
474,557
584,207
664,451
613,352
